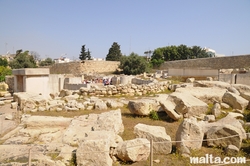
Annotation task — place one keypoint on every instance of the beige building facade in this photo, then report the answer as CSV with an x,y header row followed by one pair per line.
x,y
34,80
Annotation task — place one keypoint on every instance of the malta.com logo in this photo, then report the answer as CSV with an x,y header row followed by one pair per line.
x,y
210,159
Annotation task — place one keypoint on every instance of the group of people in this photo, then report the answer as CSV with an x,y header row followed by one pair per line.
x,y
106,81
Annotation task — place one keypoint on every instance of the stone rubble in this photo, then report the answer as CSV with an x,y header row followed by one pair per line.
x,y
98,134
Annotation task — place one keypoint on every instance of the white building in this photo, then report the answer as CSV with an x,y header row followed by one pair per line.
x,y
62,60
212,53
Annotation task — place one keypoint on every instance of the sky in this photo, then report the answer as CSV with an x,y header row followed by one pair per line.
x,y
55,28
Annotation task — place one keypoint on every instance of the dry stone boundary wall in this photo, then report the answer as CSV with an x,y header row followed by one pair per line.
x,y
78,67
227,62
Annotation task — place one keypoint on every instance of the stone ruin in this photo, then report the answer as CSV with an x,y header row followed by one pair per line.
x,y
98,134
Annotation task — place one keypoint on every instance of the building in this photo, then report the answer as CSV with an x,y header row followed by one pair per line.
x,y
34,80
212,53
62,60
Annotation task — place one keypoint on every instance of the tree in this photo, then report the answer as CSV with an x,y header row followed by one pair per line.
x,y
181,52
184,52
88,55
114,53
23,60
198,52
46,62
157,58
3,72
3,62
83,55
133,64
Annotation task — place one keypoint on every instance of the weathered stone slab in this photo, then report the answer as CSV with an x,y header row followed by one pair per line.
x,y
133,150
188,105
162,142
188,131
235,101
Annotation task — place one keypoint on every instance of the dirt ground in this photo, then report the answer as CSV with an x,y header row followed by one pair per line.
x,y
7,125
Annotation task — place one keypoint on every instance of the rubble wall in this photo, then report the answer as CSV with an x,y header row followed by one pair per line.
x,y
88,66
227,62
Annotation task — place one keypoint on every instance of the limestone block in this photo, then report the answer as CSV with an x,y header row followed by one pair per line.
x,y
218,84
206,94
46,122
231,150
94,152
190,80
8,117
2,103
133,150
169,107
216,109
100,105
189,130
162,142
209,118
215,134
142,106
109,121
114,104
233,90
235,101
187,104
14,105
224,106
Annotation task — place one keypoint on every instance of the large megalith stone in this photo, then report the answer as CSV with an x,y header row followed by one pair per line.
x,y
142,106
235,101
189,134
93,152
133,150
216,133
79,126
169,107
109,121
161,141
188,105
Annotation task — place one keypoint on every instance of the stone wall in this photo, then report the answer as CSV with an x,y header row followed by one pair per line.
x,y
88,66
239,78
125,89
193,72
9,80
227,62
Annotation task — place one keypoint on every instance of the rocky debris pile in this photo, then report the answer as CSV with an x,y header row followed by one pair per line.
x,y
222,133
125,89
67,102
192,101
88,137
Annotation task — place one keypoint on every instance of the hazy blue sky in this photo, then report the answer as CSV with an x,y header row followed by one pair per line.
x,y
56,27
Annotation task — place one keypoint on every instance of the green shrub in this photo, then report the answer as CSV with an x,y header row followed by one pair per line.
x,y
153,115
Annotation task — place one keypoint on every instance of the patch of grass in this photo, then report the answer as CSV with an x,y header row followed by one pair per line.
x,y
22,159
209,109
247,116
53,155
73,159
153,115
